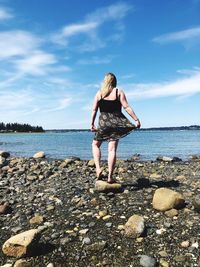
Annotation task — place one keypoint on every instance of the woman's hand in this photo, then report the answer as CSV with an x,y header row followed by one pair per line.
x,y
93,128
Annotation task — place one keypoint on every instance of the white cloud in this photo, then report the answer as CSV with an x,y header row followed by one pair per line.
x,y
91,25
17,43
15,100
116,11
61,104
5,14
36,63
182,87
96,60
185,35
78,28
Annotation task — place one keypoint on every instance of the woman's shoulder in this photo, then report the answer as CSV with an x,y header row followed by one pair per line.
x,y
120,91
98,95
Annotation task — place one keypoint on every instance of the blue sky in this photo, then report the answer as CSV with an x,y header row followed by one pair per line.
x,y
54,55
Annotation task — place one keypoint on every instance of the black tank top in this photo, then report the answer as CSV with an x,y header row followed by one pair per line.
x,y
110,106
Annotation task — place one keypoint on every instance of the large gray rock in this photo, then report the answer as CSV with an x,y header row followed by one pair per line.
x,y
168,159
167,199
104,187
22,244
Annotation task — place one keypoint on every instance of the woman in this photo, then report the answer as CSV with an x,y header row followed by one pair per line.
x,y
112,123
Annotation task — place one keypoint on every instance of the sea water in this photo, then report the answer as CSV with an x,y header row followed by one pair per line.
x,y
149,144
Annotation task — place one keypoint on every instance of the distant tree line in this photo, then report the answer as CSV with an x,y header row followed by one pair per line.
x,y
17,127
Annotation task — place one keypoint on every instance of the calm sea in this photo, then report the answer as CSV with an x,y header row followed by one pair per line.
x,y
149,144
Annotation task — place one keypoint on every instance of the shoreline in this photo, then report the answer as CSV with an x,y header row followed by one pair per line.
x,y
83,227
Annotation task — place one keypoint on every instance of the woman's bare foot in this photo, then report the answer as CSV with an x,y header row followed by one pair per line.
x,y
111,181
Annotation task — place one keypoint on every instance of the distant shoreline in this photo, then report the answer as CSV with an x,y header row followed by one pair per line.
x,y
179,128
192,127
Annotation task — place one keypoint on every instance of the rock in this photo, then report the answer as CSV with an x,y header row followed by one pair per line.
x,y
176,159
102,186
2,161
36,220
120,227
163,253
155,176
195,157
22,263
106,218
91,163
135,157
185,244
39,155
86,241
103,213
171,213
147,261
4,154
180,259
22,244
163,263
83,231
168,159
165,159
97,246
66,163
5,209
196,203
50,265
134,227
166,199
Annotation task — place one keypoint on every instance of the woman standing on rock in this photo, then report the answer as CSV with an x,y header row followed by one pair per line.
x,y
112,123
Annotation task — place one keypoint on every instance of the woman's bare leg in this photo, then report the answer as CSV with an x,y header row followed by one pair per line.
x,y
112,148
97,155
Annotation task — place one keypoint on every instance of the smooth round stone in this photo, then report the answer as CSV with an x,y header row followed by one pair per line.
x,y
86,241
147,261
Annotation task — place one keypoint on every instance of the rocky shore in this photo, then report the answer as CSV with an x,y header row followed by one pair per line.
x,y
150,219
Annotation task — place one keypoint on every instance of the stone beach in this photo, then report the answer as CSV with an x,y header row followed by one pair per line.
x,y
150,217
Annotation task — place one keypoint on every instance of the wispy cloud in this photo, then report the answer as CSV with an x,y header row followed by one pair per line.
x,y
14,100
61,104
188,35
90,27
17,43
182,87
96,60
35,64
5,14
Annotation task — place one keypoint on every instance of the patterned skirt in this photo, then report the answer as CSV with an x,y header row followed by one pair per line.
x,y
113,126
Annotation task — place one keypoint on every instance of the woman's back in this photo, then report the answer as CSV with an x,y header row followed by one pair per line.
x,y
110,103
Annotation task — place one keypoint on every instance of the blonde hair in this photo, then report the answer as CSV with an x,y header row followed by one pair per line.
x,y
110,82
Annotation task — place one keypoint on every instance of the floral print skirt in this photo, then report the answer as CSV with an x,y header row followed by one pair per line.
x,y
113,126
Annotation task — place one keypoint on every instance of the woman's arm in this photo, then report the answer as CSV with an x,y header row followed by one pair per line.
x,y
128,109
94,112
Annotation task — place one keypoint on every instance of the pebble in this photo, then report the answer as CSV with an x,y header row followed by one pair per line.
x,y
108,225
68,223
86,241
147,261
164,263
185,244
